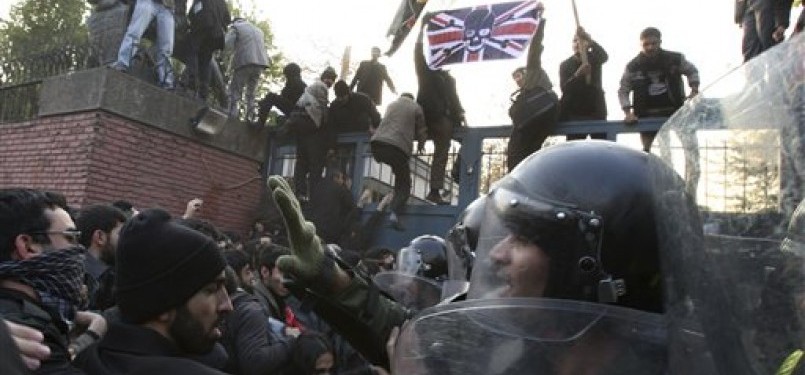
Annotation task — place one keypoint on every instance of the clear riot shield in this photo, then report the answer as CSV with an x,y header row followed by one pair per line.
x,y
416,292
738,280
531,336
412,291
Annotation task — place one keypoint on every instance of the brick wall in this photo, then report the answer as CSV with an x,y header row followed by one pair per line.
x,y
97,157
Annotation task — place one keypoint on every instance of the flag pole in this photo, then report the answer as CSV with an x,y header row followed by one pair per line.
x,y
582,43
345,60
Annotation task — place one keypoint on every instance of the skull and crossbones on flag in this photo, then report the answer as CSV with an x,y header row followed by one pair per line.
x,y
481,33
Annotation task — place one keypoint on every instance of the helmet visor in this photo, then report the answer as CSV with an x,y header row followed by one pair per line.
x,y
510,258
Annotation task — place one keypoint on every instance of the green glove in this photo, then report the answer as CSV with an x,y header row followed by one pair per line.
x,y
308,262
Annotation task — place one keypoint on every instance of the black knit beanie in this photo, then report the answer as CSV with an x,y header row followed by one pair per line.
x,y
161,264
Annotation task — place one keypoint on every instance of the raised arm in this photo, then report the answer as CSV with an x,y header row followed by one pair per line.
x,y
345,300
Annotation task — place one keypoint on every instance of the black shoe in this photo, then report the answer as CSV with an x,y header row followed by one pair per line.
x,y
436,198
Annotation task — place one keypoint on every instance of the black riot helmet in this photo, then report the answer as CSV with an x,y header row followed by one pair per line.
x,y
574,221
462,239
425,256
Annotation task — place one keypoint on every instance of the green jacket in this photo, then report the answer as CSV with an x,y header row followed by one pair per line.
x,y
362,315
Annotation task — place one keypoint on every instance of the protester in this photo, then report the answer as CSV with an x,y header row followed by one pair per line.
x,y
100,230
391,144
440,103
582,90
146,11
171,296
332,208
252,345
208,21
249,61
370,77
534,105
42,273
351,112
287,98
308,121
654,78
763,23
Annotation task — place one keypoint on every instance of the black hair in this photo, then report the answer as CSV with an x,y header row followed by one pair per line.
x,y
292,70
269,255
22,211
124,206
307,349
650,32
341,88
408,95
236,259
329,73
101,217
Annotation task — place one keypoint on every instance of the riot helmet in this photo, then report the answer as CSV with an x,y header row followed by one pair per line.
x,y
462,239
420,277
425,256
574,221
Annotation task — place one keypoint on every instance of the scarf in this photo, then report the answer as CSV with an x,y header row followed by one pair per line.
x,y
57,276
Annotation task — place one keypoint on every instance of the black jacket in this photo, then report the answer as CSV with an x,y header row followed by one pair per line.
x,y
252,350
21,309
437,91
580,100
665,69
356,114
332,210
209,19
131,349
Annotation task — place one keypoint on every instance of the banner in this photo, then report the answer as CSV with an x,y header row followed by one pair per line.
x,y
481,33
403,22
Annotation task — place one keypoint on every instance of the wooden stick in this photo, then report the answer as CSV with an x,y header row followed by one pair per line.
x,y
345,60
582,43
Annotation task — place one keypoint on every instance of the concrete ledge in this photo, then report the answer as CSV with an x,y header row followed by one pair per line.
x,y
124,95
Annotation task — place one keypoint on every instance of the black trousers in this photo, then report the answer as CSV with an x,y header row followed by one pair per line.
x,y
398,160
311,152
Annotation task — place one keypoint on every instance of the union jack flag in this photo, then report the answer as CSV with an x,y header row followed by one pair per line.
x,y
484,32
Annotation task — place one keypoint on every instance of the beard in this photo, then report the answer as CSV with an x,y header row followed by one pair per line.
x,y
189,334
107,255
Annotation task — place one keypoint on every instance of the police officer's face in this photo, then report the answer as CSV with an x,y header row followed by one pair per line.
x,y
522,265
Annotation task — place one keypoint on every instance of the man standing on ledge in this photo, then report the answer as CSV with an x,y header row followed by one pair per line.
x,y
370,77
654,78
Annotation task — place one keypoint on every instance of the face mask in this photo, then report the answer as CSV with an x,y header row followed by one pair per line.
x,y
57,276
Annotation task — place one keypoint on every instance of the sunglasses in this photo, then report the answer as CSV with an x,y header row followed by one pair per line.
x,y
72,236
